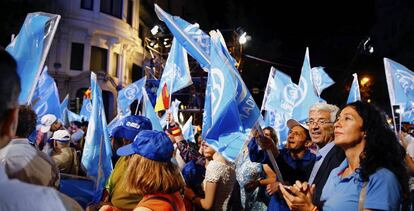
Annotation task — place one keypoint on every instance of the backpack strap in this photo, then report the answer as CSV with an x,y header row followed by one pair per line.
x,y
165,199
362,197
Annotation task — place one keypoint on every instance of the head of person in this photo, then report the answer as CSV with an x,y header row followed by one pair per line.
x,y
150,169
9,93
270,132
27,122
61,138
320,123
128,128
75,125
298,138
207,150
50,122
361,126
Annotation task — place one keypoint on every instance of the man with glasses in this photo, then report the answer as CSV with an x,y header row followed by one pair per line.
x,y
321,129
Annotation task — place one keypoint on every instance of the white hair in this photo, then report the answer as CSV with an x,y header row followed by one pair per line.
x,y
332,109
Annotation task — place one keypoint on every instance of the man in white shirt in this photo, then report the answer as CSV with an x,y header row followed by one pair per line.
x,y
16,195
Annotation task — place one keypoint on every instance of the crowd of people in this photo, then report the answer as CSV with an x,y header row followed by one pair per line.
x,y
339,159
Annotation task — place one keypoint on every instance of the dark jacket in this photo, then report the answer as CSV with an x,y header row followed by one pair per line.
x,y
332,160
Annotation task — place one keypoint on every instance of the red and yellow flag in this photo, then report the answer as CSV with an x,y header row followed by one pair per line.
x,y
163,100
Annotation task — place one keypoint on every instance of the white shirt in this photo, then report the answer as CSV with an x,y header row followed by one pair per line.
x,y
16,195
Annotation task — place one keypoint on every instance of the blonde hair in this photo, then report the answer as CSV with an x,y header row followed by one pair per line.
x,y
145,176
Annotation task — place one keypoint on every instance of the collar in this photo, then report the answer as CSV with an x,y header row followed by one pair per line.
x,y
19,141
322,152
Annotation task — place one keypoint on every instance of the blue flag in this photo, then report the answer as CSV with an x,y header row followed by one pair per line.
x,y
148,111
279,100
176,72
320,79
307,93
63,107
188,130
86,109
30,48
129,94
72,116
190,36
97,151
400,82
354,93
46,97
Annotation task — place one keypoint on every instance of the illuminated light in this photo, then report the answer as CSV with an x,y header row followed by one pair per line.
x,y
243,38
155,29
364,81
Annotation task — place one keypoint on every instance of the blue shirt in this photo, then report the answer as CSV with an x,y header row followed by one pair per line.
x,y
383,191
320,156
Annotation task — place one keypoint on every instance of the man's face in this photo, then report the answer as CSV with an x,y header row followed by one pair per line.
x,y
297,138
320,127
55,126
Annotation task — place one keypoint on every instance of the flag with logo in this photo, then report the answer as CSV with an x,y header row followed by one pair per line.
x,y
46,97
320,79
400,83
86,109
354,93
176,72
97,151
30,49
190,36
129,94
72,116
307,94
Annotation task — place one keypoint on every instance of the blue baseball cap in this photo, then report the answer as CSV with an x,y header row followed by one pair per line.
x,y
154,145
130,126
193,173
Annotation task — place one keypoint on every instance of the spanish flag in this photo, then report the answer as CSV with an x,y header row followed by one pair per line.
x,y
163,100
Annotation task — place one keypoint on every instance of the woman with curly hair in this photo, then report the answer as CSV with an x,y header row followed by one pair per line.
x,y
373,175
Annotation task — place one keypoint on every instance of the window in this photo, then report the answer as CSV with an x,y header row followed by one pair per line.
x,y
98,59
112,7
87,4
76,56
130,12
114,64
141,34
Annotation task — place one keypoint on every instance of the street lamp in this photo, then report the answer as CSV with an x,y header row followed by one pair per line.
x,y
364,81
243,38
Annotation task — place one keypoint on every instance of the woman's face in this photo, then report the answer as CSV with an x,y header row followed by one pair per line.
x,y
208,151
348,128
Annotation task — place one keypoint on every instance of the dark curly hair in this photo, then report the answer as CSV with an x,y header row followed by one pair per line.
x,y
27,121
272,134
382,149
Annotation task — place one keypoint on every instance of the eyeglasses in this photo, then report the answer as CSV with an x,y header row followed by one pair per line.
x,y
320,122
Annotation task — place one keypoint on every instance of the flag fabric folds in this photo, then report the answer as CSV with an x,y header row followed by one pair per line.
x,y
191,37
176,72
97,151
163,100
149,112
400,82
188,130
46,97
72,116
307,95
30,49
86,109
354,93
320,79
129,94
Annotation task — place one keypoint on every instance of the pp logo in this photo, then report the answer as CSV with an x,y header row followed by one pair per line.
x,y
316,77
292,94
133,124
89,107
279,121
130,92
217,89
407,82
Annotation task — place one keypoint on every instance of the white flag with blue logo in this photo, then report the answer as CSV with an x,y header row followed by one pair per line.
x,y
188,130
97,151
30,49
129,94
354,93
86,109
400,82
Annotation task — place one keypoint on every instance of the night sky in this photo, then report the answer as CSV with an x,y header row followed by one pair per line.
x,y
334,31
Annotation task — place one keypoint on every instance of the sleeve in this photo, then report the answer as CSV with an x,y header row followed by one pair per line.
x,y
256,154
213,172
410,150
383,191
189,153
